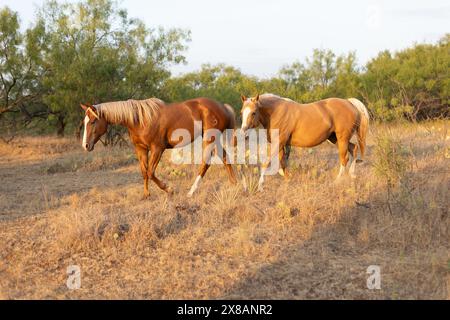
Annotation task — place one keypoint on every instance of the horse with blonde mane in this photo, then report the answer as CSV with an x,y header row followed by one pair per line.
x,y
152,126
308,125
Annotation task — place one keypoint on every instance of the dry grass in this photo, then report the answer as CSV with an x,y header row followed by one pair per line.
x,y
302,238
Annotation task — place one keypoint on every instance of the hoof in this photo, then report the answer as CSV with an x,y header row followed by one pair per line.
x,y
338,180
260,188
359,160
169,190
145,197
189,195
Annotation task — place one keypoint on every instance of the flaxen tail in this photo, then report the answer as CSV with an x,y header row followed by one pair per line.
x,y
363,126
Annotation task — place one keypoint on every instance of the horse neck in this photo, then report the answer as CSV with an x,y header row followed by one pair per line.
x,y
118,123
265,112
130,126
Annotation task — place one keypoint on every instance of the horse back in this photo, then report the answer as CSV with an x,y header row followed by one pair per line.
x,y
196,116
213,114
343,113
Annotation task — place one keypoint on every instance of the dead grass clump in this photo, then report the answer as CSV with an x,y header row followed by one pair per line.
x,y
249,179
226,198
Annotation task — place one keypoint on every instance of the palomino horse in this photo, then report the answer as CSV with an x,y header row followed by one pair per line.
x,y
153,125
308,125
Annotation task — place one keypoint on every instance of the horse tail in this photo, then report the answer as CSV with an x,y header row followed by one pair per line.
x,y
231,138
363,128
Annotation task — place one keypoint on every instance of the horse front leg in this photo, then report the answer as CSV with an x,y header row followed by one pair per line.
x,y
142,154
284,157
155,157
228,167
275,152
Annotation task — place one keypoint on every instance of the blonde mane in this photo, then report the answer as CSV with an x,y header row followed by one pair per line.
x,y
271,95
130,112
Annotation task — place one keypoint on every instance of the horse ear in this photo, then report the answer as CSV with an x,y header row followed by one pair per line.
x,y
83,107
257,97
243,98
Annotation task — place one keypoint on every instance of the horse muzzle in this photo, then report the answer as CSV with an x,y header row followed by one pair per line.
x,y
88,147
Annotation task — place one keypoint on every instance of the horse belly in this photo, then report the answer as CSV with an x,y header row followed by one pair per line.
x,y
310,137
184,134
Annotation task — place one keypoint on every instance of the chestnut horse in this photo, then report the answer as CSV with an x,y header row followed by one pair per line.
x,y
152,126
308,125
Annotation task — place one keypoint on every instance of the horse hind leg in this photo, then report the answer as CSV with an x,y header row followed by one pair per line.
x,y
362,148
353,150
334,140
343,147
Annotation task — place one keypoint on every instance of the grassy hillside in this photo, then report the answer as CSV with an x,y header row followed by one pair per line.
x,y
303,238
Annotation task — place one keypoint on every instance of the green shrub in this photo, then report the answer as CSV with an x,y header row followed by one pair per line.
x,y
392,159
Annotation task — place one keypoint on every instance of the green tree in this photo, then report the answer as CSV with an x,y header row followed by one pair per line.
x,y
220,82
347,82
322,75
97,53
321,68
413,82
20,69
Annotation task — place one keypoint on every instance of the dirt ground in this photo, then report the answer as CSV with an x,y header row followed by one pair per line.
x,y
304,237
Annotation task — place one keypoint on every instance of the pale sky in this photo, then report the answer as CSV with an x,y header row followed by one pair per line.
x,y
260,36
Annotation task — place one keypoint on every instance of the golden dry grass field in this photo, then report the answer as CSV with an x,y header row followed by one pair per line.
x,y
302,238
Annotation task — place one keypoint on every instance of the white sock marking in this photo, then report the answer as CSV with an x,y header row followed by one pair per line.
x,y
341,171
195,186
352,169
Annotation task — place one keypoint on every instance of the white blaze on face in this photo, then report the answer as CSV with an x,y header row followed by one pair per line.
x,y
86,121
245,115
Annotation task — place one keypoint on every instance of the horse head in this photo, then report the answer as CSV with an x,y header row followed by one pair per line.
x,y
250,112
94,127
